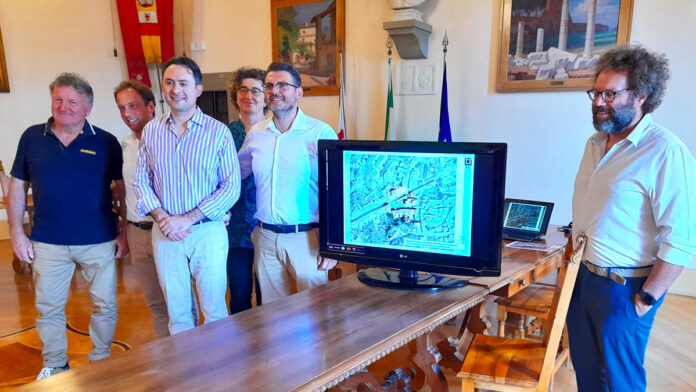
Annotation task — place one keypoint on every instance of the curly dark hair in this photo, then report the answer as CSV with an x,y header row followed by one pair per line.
x,y
648,72
238,77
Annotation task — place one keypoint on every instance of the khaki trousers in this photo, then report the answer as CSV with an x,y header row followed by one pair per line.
x,y
53,270
140,244
143,261
281,259
201,256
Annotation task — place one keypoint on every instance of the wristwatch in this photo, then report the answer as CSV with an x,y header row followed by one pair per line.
x,y
646,297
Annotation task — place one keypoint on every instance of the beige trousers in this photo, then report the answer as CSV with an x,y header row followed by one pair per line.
x,y
53,270
281,259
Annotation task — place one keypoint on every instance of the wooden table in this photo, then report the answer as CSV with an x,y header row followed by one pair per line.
x,y
309,341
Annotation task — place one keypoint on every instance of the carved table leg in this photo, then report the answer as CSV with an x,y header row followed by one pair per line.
x,y
474,322
365,382
426,358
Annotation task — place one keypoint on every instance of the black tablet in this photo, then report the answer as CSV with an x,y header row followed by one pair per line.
x,y
525,220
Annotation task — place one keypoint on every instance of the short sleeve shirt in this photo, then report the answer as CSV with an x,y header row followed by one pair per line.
x,y
71,185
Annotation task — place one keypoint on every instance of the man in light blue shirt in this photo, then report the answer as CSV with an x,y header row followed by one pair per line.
x,y
282,153
635,201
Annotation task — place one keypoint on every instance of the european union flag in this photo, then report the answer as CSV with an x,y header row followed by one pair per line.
x,y
445,131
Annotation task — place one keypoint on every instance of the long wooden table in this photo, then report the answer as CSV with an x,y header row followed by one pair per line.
x,y
307,342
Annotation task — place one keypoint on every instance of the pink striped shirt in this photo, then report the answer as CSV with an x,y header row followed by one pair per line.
x,y
200,169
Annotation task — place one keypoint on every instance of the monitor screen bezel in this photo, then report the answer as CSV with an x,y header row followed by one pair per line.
x,y
519,234
486,265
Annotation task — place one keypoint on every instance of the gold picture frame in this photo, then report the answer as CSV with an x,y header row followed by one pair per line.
x,y
4,81
309,35
545,59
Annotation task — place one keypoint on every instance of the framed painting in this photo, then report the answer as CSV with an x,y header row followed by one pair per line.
x,y
309,34
548,45
4,82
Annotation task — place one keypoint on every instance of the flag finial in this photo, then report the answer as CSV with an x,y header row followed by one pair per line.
x,y
445,42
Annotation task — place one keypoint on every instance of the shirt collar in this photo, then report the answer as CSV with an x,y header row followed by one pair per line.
x,y
639,131
300,122
634,137
87,129
196,120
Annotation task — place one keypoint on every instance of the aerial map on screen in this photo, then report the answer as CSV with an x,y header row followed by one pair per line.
x,y
522,216
410,201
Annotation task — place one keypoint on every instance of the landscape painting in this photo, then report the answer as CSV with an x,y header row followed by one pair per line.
x,y
309,35
554,44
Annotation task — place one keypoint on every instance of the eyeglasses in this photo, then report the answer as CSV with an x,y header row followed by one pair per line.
x,y
607,95
245,91
281,86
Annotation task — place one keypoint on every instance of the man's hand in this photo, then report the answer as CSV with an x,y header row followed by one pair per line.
x,y
641,307
122,244
174,226
179,235
22,247
226,220
325,264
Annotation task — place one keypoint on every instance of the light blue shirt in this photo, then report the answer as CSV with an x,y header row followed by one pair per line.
x,y
285,168
200,169
638,202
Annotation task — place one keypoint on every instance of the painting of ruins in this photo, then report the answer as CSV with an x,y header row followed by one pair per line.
x,y
554,44
309,34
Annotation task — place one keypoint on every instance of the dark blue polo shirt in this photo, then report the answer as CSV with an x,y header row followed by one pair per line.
x,y
70,185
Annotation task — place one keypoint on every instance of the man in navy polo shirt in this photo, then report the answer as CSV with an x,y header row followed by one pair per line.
x,y
70,165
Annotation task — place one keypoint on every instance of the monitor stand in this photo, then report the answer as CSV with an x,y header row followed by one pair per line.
x,y
406,279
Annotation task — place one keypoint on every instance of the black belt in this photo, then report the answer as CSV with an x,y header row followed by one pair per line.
x,y
285,229
142,225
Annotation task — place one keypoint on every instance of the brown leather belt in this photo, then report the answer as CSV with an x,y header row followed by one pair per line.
x,y
618,275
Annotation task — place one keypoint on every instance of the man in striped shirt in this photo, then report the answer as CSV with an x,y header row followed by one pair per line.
x,y
187,179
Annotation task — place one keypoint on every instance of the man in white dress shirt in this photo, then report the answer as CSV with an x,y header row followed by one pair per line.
x,y
635,201
282,153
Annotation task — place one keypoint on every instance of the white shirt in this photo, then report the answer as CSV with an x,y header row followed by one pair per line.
x,y
285,167
638,202
130,145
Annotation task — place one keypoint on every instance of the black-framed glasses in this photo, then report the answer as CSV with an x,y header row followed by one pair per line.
x,y
608,96
281,86
246,91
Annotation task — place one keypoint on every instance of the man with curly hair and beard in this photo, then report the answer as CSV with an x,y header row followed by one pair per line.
x,y
635,201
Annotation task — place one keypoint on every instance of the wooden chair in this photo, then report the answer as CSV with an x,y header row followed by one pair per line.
x,y
534,302
506,364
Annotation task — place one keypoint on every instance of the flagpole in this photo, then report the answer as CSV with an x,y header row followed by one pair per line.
x,y
390,94
445,134
342,128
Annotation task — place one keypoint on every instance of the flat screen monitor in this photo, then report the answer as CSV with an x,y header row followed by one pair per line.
x,y
413,206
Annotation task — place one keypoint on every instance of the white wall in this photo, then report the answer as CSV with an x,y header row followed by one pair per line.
x,y
545,132
43,38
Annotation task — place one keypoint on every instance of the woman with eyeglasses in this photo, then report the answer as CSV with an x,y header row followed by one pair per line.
x,y
248,98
